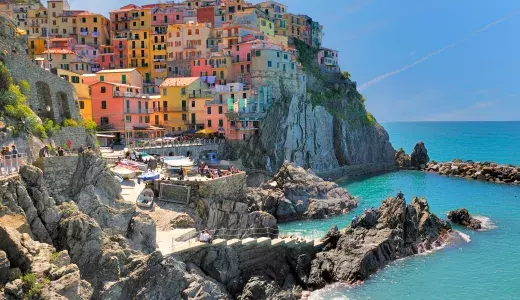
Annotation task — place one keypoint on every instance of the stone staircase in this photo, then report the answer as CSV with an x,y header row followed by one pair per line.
x,y
192,246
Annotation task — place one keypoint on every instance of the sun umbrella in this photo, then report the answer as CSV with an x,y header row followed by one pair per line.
x,y
206,131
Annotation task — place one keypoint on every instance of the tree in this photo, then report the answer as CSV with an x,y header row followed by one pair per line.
x,y
5,78
346,75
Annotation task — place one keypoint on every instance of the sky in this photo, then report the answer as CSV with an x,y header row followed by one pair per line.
x,y
440,60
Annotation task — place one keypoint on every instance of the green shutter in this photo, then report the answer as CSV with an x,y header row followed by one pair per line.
x,y
102,78
231,104
123,79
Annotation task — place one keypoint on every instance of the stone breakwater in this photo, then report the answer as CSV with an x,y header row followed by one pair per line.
x,y
490,172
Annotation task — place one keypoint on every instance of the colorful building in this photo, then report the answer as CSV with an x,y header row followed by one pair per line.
x,y
182,101
186,42
81,85
130,77
299,27
94,29
38,22
328,59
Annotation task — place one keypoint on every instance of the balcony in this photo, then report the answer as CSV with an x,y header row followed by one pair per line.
x,y
188,47
104,127
83,33
200,95
160,70
137,111
193,122
131,95
175,109
95,34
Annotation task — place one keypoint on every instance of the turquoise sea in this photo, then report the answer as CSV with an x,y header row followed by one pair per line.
x,y
488,267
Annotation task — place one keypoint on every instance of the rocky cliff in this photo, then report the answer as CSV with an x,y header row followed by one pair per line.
x,y
316,121
296,193
379,236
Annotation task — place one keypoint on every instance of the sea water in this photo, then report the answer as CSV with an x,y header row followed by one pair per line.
x,y
488,267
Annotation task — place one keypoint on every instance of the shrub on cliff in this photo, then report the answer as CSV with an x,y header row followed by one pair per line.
x,y
5,78
51,127
89,125
70,123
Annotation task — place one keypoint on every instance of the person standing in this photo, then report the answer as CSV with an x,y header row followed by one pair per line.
x,y
61,152
14,151
81,149
69,144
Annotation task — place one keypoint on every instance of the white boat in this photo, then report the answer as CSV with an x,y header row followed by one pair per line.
x,y
177,162
145,198
124,172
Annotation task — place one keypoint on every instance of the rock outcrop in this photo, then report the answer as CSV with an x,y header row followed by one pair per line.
x,y
379,236
403,160
261,287
295,193
486,171
46,273
419,157
462,217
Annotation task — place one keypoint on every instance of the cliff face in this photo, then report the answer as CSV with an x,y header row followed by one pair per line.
x,y
316,121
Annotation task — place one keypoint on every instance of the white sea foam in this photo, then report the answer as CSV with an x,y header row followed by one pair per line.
x,y
487,224
464,236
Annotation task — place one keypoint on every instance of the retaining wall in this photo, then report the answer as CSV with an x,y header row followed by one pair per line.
x,y
77,135
57,173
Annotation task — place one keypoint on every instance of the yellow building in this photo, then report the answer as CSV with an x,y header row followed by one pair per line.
x,y
36,46
265,24
67,60
81,85
37,22
182,102
159,66
93,29
132,24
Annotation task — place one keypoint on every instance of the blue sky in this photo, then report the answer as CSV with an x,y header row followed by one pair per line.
x,y
466,54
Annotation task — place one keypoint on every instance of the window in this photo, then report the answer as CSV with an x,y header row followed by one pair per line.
x,y
83,20
104,120
165,117
135,23
192,103
75,79
184,117
103,104
142,14
177,17
101,78
269,64
244,95
95,20
277,54
189,31
103,90
164,92
81,105
64,56
258,53
220,110
209,123
220,123
183,91
285,56
128,119
209,110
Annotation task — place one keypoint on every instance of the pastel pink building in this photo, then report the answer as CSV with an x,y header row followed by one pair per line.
x,y
163,16
215,116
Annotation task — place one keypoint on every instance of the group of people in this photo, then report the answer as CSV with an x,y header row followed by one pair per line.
x,y
204,170
9,160
44,152
205,237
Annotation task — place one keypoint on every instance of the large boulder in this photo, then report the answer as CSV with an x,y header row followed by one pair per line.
x,y
261,287
402,160
295,193
419,157
377,237
462,217
4,268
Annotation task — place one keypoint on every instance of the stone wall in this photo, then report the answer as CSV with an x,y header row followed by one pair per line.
x,y
47,89
57,173
77,135
183,150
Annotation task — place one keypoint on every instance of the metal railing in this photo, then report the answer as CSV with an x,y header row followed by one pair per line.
x,y
152,143
10,164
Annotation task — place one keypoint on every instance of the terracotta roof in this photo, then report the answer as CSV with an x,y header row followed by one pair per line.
x,y
178,81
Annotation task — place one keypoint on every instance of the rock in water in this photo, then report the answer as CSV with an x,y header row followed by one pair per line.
x,y
402,160
462,217
296,194
379,236
419,157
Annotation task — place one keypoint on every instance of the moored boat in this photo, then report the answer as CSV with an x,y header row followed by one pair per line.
x,y
145,198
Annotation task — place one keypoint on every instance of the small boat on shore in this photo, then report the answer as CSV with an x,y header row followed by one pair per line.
x,y
148,177
124,173
145,198
175,163
132,165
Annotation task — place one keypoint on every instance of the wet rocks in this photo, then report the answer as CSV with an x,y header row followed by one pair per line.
x,y
486,171
402,160
462,217
295,193
377,237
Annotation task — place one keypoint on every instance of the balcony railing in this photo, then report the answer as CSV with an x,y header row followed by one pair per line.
x,y
200,95
131,95
171,109
83,33
103,127
138,111
190,47
95,34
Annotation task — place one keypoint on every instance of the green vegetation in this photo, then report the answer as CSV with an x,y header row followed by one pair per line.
x,y
54,255
68,209
89,125
70,123
333,91
32,287
51,128
13,105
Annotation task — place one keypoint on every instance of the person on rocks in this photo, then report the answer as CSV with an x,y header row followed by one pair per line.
x,y
61,152
181,174
81,149
13,150
354,222
44,151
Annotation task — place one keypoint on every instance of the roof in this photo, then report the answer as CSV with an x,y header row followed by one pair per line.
x,y
117,84
179,81
116,71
